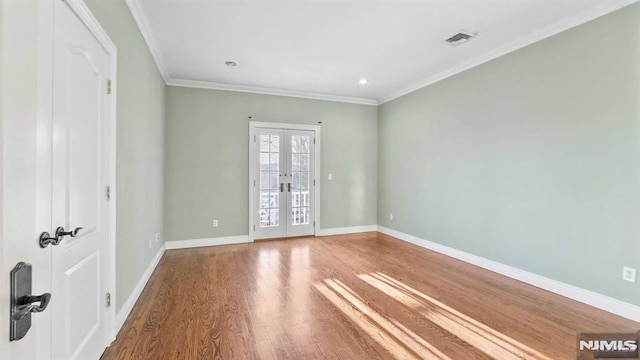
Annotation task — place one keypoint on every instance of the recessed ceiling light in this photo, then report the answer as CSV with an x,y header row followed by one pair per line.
x,y
230,63
363,81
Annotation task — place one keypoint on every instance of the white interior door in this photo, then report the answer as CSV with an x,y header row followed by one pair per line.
x,y
80,173
284,179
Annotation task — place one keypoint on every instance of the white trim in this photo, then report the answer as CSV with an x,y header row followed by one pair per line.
x,y
113,190
599,301
43,326
268,91
317,177
283,126
192,243
347,230
126,308
145,29
253,125
579,19
90,21
251,230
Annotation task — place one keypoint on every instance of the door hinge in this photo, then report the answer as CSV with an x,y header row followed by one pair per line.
x,y
254,183
254,228
107,192
254,138
314,141
314,224
314,182
108,299
108,86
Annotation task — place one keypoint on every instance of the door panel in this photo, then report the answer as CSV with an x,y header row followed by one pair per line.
x,y
79,177
83,145
300,166
284,183
82,288
83,138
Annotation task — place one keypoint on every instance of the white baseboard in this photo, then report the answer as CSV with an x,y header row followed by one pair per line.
x,y
588,297
126,308
191,243
347,230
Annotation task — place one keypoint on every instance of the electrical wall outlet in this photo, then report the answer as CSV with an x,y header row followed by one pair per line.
x,y
215,222
629,274
150,244
157,237
391,217
329,176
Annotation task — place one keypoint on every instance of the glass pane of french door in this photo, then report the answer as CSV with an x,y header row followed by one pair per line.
x,y
269,191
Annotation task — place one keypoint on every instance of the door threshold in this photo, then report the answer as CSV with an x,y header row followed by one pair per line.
x,y
285,238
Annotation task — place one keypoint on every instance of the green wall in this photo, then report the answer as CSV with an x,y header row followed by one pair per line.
x,y
140,146
207,154
531,160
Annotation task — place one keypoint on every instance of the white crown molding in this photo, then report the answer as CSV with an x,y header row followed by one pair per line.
x,y
126,308
579,19
140,18
584,296
143,24
347,230
268,91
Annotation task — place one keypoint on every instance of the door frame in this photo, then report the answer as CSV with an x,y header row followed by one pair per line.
x,y
253,125
46,23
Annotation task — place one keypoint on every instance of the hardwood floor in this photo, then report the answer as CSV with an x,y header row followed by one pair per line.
x,y
360,296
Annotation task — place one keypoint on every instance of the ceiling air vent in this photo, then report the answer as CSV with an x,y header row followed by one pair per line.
x,y
460,38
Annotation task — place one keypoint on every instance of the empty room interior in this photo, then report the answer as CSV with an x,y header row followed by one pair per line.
x,y
276,179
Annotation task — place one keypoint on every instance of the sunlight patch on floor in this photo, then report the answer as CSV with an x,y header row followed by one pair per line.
x,y
475,333
401,342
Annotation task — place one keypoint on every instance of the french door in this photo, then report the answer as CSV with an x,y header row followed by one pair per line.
x,y
284,183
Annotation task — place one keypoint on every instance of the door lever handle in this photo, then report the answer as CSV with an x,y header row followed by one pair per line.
x,y
46,239
22,302
28,307
60,233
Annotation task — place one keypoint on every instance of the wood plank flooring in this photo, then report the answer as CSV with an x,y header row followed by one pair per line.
x,y
360,296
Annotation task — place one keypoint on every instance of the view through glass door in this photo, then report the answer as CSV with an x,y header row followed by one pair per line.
x,y
284,183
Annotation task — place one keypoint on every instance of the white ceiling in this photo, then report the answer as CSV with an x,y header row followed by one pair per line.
x,y
321,48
